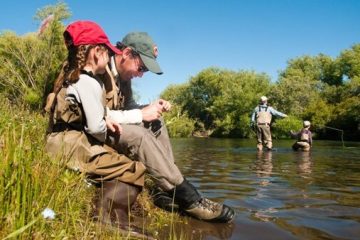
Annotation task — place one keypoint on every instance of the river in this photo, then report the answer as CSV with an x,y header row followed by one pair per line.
x,y
280,194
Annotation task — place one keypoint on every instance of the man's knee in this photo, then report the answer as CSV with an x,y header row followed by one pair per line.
x,y
133,134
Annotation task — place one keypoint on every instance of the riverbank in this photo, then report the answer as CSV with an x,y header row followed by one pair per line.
x,y
30,182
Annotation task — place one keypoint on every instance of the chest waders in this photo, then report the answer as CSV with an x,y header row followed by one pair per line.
x,y
263,117
304,136
263,133
185,195
303,142
119,179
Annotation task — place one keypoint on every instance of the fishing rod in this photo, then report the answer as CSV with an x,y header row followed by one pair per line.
x,y
342,134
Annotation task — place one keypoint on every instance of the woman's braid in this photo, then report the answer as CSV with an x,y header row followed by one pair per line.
x,y
71,69
77,60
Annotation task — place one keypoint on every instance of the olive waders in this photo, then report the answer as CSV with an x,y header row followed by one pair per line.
x,y
263,133
119,179
149,143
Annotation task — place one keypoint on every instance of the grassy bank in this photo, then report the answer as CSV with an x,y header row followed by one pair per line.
x,y
30,182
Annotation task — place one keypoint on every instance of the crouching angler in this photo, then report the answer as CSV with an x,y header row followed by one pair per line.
x,y
304,138
79,125
144,134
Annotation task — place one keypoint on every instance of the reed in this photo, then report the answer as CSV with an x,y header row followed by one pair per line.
x,y
30,181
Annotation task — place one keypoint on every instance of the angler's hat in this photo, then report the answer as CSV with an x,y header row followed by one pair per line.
x,y
143,44
306,123
263,99
87,32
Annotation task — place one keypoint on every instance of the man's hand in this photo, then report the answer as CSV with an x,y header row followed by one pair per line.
x,y
113,126
164,105
151,112
154,111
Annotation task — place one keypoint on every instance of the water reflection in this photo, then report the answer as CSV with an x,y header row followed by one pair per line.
x,y
277,195
304,163
195,229
263,168
263,163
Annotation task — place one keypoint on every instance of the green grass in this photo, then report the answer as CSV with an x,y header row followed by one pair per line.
x,y
30,181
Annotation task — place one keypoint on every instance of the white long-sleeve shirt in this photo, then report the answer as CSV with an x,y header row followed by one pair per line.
x,y
88,92
133,116
126,116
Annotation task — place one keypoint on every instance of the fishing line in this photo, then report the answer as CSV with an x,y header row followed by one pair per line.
x,y
342,134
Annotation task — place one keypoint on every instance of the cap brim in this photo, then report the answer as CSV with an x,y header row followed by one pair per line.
x,y
151,64
113,48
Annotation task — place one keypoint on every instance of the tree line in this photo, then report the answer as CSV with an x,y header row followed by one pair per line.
x,y
324,90
216,102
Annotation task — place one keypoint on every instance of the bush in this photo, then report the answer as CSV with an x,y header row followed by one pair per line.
x,y
281,127
31,62
180,127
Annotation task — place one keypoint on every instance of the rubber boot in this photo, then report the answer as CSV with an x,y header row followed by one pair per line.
x,y
114,201
113,205
193,204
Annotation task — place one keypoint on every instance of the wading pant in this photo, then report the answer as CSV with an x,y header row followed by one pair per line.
x,y
263,134
304,146
150,144
98,162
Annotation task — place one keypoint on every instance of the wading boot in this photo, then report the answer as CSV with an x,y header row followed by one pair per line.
x,y
164,200
193,204
113,205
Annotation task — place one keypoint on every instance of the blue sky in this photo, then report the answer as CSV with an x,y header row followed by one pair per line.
x,y
259,35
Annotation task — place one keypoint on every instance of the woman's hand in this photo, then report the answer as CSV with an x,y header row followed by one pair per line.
x,y
113,126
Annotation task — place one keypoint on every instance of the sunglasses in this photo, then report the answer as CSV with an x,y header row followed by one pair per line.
x,y
142,68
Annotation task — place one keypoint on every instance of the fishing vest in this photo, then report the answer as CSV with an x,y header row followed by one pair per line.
x,y
66,114
304,135
263,117
115,100
66,136
63,114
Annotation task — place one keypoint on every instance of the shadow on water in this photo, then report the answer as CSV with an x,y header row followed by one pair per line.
x,y
195,229
277,195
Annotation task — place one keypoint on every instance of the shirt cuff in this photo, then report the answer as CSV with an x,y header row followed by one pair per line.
x,y
126,117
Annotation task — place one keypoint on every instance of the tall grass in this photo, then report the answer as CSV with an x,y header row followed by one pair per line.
x,y
30,181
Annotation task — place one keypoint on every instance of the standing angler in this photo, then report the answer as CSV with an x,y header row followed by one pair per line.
x,y
261,119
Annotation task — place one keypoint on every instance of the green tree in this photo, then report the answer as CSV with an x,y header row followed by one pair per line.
x,y
177,120
239,93
219,101
349,62
29,63
298,84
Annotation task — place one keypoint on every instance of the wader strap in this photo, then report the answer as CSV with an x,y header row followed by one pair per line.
x,y
62,126
265,108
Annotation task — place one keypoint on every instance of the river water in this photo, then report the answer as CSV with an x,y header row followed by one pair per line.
x,y
276,195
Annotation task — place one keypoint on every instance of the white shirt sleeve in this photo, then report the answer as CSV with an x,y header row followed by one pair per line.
x,y
88,91
126,117
133,116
